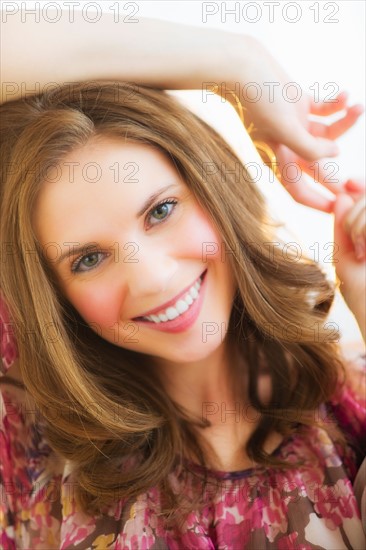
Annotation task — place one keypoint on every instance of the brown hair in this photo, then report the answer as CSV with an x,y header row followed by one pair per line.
x,y
114,410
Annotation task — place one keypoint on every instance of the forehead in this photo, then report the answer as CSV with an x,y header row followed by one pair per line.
x,y
106,180
103,157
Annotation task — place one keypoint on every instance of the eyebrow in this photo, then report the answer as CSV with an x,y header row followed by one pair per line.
x,y
90,247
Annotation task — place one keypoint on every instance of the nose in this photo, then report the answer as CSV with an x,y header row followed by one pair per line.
x,y
151,274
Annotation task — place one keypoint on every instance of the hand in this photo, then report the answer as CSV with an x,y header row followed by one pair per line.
x,y
350,258
295,138
319,138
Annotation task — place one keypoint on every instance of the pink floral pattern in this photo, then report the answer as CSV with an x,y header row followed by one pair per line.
x,y
8,348
310,506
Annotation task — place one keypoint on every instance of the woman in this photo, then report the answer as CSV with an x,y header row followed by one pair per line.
x,y
173,361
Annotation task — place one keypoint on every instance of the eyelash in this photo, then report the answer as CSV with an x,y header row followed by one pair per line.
x,y
160,203
76,263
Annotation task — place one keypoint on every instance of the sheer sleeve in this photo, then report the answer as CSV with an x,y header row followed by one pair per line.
x,y
349,409
349,404
8,355
30,509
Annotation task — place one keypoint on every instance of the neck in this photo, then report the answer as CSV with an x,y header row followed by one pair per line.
x,y
202,387
207,390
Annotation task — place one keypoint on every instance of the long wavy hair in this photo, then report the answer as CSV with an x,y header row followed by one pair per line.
x,y
101,406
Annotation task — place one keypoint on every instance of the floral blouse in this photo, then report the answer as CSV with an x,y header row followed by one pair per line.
x,y
308,507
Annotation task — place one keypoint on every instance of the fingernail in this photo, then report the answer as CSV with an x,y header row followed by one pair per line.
x,y
358,109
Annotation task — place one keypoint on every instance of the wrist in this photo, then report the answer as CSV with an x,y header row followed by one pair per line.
x,y
229,65
356,304
209,56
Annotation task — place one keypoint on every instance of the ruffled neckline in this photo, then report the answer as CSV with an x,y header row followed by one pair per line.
x,y
194,467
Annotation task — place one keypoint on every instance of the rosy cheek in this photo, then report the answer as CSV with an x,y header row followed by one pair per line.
x,y
96,304
201,238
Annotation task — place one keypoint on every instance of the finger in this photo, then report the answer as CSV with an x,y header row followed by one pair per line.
x,y
355,185
342,205
297,183
304,193
339,127
357,209
355,225
324,171
325,108
307,146
358,234
318,129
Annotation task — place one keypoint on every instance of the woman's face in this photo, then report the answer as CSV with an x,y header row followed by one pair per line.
x,y
119,257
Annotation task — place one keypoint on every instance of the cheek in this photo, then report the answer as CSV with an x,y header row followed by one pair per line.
x,y
97,304
198,238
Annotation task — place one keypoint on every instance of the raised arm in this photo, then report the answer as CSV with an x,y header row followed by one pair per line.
x,y
39,54
350,258
156,53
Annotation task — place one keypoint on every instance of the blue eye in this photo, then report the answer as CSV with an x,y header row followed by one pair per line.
x,y
87,262
162,210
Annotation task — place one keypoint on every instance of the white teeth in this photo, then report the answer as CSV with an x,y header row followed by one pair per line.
x,y
193,292
172,313
188,298
180,307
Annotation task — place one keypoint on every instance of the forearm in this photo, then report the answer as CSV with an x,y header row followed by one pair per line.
x,y
156,53
360,315
355,301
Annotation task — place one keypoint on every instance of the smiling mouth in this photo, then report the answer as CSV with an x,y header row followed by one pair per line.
x,y
177,308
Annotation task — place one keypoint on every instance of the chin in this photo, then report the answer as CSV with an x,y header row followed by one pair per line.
x,y
192,353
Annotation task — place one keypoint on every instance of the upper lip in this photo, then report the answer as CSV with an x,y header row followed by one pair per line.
x,y
170,302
